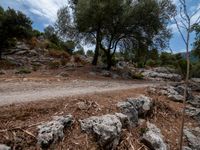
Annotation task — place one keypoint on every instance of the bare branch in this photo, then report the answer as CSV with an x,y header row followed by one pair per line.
x,y
177,25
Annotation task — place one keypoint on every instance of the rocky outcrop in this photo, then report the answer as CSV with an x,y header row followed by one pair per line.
x,y
173,92
52,131
106,129
193,112
193,137
135,107
153,138
4,147
153,75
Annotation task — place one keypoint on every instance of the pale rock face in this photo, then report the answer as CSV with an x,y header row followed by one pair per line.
x,y
4,147
135,108
153,138
106,128
193,137
52,131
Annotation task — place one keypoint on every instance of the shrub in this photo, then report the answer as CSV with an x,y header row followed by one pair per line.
x,y
23,71
137,76
151,63
6,64
54,65
64,61
59,54
33,42
182,67
196,70
140,65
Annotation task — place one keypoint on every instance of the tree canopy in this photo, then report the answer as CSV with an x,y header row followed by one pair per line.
x,y
119,25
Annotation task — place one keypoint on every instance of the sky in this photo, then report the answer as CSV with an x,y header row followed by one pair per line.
x,y
44,13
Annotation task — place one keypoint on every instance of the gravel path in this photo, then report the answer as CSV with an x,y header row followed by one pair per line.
x,y
17,92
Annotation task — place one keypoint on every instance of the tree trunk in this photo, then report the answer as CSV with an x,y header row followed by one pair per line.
x,y
109,60
185,90
0,54
96,54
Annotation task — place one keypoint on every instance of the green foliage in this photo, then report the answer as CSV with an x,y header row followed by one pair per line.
x,y
118,24
90,53
14,24
137,76
196,70
140,64
196,44
68,46
167,59
79,52
182,67
151,63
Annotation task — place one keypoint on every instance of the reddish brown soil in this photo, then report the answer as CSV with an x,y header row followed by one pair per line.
x,y
21,120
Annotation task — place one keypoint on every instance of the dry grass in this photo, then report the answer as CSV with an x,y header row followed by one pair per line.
x,y
59,54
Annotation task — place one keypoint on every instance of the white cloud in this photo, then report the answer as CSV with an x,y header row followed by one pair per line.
x,y
45,8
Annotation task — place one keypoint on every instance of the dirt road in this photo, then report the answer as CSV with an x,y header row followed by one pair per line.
x,y
17,92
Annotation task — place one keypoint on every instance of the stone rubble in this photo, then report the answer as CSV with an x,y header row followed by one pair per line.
x,y
51,132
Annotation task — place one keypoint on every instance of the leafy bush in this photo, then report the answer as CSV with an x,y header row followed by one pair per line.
x,y
54,65
140,65
90,53
137,76
196,70
151,63
23,71
182,67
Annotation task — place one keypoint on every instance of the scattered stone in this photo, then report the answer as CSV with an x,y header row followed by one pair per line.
x,y
135,107
106,73
4,147
150,74
193,112
186,148
121,65
197,80
52,131
115,76
64,74
195,102
193,137
153,138
123,118
106,129
82,105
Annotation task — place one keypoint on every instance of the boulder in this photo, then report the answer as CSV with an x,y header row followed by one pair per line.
x,y
4,147
106,129
193,137
195,102
135,107
121,65
153,138
52,131
193,112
